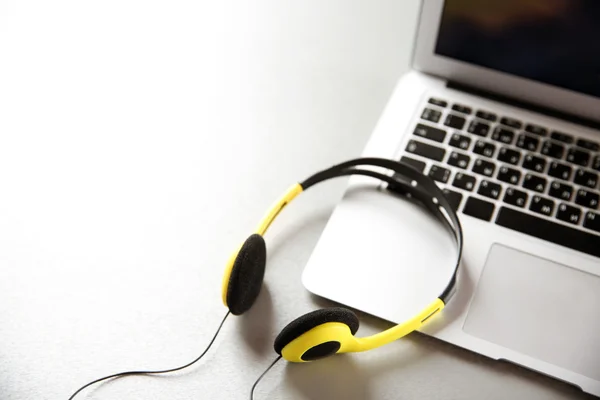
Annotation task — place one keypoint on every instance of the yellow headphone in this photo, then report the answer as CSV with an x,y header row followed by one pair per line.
x,y
325,332
322,333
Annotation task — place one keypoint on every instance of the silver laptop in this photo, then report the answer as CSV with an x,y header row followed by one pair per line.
x,y
502,108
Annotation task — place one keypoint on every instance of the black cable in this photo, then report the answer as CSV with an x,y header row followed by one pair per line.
x,y
121,374
261,376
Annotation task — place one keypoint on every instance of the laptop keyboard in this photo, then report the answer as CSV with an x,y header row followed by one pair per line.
x,y
513,173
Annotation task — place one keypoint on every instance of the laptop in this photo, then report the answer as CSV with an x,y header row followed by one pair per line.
x,y
502,109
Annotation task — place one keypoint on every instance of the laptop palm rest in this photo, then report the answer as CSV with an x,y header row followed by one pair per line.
x,y
538,308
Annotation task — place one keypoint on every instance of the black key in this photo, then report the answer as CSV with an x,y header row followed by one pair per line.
x,y
515,197
484,148
586,178
464,181
568,213
484,167
509,156
454,121
478,208
509,175
558,170
562,137
578,157
459,160
561,191
460,141
488,116
534,182
439,174
553,149
537,164
541,205
503,135
454,198
528,142
430,132
462,109
437,102
425,150
588,145
513,123
479,128
536,130
592,221
550,231
596,163
587,199
489,189
416,164
431,115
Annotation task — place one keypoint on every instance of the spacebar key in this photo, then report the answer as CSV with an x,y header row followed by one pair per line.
x,y
550,231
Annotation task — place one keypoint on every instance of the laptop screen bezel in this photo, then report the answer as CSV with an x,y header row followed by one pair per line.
x,y
426,60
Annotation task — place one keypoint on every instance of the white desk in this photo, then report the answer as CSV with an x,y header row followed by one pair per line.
x,y
140,141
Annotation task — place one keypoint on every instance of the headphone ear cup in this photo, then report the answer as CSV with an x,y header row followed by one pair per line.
x,y
247,273
305,323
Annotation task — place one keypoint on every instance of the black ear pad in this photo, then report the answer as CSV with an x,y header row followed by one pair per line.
x,y
315,318
247,275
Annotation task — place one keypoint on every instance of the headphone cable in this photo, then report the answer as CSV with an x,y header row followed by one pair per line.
x,y
122,374
261,376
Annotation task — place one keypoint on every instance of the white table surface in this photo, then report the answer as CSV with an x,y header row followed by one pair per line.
x,y
140,142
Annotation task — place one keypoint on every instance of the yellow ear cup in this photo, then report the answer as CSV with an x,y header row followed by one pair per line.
x,y
321,341
317,334
244,276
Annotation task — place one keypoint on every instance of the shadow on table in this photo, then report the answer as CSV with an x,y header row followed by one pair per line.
x,y
333,378
257,324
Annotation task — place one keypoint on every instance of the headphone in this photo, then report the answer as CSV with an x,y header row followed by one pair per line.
x,y
329,331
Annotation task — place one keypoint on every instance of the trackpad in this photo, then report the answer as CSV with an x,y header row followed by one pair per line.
x,y
539,308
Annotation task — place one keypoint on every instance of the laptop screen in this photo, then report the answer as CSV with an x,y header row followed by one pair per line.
x,y
551,41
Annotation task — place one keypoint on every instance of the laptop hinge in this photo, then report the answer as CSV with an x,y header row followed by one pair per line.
x,y
524,105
